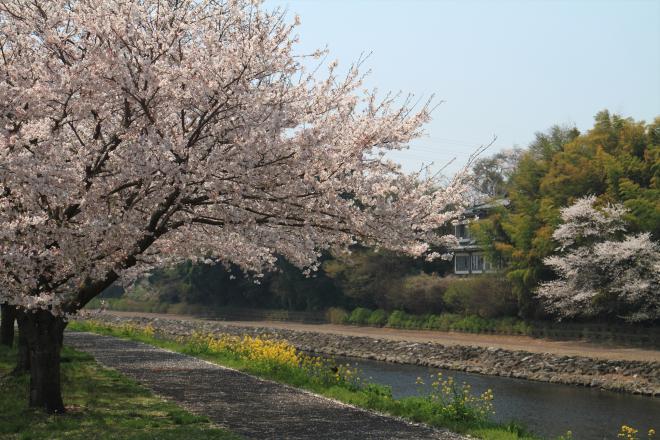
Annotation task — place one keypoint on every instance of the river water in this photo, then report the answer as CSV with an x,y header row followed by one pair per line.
x,y
546,409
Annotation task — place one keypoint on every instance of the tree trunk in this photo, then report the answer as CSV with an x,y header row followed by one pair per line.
x,y
7,325
44,333
23,358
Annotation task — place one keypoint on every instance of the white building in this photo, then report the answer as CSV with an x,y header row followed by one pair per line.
x,y
469,257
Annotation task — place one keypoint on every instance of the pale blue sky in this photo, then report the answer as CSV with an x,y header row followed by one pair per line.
x,y
505,68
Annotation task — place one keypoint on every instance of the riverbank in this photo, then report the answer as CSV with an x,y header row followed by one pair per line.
x,y
608,334
564,347
630,376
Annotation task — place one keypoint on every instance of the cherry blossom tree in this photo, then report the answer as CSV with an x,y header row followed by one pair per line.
x,y
138,133
600,268
8,316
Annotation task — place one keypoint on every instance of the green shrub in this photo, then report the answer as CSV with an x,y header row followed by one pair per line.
x,y
521,328
421,293
486,296
401,319
454,322
337,315
378,318
359,316
397,319
473,324
442,322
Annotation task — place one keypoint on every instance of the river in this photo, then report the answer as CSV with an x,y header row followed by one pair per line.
x,y
547,409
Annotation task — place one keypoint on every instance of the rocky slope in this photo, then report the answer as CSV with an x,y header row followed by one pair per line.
x,y
624,376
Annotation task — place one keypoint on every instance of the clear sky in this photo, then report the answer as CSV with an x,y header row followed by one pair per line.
x,y
505,68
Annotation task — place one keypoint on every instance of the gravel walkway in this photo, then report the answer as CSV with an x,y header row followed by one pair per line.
x,y
246,405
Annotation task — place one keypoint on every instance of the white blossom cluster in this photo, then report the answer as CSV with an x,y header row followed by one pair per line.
x,y
137,133
582,222
599,268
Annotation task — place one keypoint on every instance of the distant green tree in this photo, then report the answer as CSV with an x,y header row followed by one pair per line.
x,y
618,160
387,280
366,276
293,290
491,174
213,285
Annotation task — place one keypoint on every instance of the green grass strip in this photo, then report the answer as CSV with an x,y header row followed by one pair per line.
x,y
101,404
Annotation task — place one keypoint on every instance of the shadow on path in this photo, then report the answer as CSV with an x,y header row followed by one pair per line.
x,y
246,405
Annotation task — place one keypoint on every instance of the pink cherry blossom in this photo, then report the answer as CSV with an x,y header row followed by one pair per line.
x,y
135,134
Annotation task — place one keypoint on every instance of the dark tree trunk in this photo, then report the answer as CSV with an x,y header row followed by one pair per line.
x,y
44,333
23,358
7,325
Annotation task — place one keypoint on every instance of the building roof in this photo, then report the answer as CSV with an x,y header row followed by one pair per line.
x,y
483,208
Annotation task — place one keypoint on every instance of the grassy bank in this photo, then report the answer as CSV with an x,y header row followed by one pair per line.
x,y
101,404
334,315
449,405
443,322
604,332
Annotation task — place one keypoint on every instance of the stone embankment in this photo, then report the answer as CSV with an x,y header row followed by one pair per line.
x,y
624,376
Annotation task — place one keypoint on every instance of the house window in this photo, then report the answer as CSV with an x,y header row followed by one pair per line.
x,y
477,262
462,263
462,232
